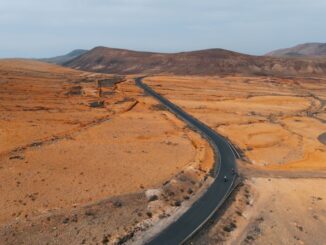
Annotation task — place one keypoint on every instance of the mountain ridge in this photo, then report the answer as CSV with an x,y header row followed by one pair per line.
x,y
200,62
301,50
61,59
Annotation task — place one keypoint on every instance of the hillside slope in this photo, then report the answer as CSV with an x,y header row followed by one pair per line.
x,y
65,58
204,62
301,50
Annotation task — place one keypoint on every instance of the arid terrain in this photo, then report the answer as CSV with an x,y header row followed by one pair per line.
x,y
277,125
89,158
201,62
301,50
78,145
260,115
162,122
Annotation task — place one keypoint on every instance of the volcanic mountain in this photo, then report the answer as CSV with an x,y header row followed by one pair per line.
x,y
301,50
203,62
64,58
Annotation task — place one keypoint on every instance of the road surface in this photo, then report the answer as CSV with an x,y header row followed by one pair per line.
x,y
225,164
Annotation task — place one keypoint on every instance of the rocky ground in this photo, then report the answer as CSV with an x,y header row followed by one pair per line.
x,y
87,158
260,115
270,211
278,126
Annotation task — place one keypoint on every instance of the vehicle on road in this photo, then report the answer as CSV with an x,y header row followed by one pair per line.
x,y
202,209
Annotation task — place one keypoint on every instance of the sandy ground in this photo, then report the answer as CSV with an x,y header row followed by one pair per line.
x,y
260,115
288,212
83,162
278,126
271,211
69,142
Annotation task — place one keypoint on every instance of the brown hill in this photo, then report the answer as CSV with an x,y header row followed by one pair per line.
x,y
204,62
301,50
65,58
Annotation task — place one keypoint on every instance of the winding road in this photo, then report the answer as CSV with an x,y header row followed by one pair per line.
x,y
225,164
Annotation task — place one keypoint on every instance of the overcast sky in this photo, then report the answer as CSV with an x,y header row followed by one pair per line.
x,y
45,28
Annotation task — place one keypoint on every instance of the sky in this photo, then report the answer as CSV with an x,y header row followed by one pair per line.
x,y
46,28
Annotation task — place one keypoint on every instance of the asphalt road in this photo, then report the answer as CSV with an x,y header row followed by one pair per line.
x,y
225,162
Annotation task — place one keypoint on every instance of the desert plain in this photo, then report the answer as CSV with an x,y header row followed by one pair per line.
x,y
277,124
89,158
74,140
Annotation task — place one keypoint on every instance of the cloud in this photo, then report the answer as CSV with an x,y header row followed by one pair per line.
x,y
39,28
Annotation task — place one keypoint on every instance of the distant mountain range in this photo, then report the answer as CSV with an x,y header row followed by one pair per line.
x,y
301,50
64,58
203,62
304,59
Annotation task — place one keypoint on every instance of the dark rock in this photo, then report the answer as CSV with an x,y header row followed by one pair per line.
x,y
177,203
16,157
96,104
106,239
250,238
65,221
152,198
149,214
117,204
230,227
36,144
